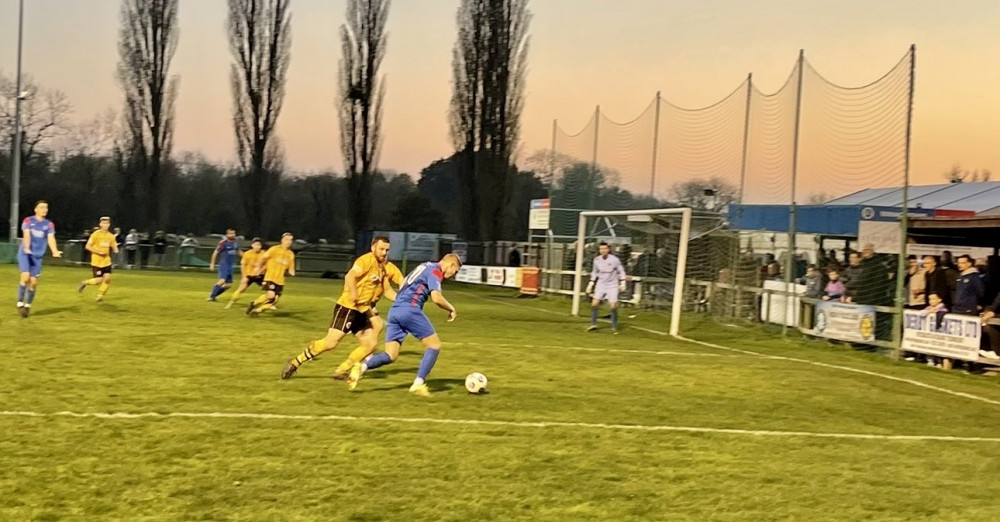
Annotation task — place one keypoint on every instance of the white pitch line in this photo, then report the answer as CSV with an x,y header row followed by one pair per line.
x,y
792,359
586,349
849,369
512,424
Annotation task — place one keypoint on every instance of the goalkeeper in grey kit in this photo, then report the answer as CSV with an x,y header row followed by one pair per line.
x,y
606,279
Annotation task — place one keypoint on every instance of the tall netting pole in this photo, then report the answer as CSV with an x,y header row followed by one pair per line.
x,y
549,243
593,161
790,265
656,141
581,236
897,323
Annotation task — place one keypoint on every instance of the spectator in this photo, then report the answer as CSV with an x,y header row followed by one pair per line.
x,y
514,257
968,288
119,242
814,282
774,272
145,248
159,248
187,248
947,261
852,277
916,284
936,281
982,266
935,306
834,290
131,247
991,334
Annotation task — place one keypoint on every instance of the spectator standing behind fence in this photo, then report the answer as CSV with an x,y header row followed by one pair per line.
x,y
120,243
991,334
186,249
916,284
145,248
514,258
159,248
131,247
814,282
936,281
834,290
852,277
968,288
935,306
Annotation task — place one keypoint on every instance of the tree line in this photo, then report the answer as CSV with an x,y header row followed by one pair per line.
x,y
124,164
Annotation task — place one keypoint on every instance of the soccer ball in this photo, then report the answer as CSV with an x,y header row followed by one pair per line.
x,y
475,382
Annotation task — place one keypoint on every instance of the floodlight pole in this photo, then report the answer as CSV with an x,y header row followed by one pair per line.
x,y
593,162
15,171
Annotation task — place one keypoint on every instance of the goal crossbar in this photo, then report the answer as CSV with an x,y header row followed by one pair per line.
x,y
682,252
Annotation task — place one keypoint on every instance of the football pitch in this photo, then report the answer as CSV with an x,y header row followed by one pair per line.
x,y
157,405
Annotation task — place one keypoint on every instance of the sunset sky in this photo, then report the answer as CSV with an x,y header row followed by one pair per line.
x,y
583,53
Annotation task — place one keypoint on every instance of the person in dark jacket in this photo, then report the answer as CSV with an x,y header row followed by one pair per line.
x,y
936,281
968,288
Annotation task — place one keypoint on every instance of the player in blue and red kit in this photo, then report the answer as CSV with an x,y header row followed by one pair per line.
x,y
229,248
406,316
38,233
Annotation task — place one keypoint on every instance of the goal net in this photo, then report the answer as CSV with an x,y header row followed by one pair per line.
x,y
675,260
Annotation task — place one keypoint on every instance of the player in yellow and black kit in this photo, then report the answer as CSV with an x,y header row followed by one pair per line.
x,y
101,245
276,261
354,313
249,273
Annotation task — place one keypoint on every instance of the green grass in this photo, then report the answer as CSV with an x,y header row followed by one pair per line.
x,y
157,346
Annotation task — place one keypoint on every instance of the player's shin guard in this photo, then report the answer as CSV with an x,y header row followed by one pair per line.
x,y
593,315
215,292
29,296
222,290
315,348
379,359
427,363
101,290
614,318
20,294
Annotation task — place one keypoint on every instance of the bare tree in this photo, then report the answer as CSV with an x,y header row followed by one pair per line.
x,y
260,41
704,194
361,95
489,65
146,44
956,174
91,137
43,114
819,198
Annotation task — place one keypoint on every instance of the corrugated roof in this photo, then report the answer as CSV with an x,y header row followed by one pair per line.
x,y
981,197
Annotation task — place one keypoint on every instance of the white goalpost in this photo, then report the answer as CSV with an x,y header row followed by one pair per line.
x,y
651,226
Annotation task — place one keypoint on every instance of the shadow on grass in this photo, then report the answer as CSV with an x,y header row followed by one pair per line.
x,y
435,385
52,311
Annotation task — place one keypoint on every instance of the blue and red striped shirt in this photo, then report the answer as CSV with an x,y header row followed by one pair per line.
x,y
417,287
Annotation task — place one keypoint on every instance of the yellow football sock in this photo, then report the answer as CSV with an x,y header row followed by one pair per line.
x,y
101,290
315,348
236,295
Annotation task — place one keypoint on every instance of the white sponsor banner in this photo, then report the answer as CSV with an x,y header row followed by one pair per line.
x,y
845,321
884,235
470,274
495,276
512,277
778,308
952,335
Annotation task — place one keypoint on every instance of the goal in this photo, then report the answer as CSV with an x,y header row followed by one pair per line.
x,y
652,245
682,265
